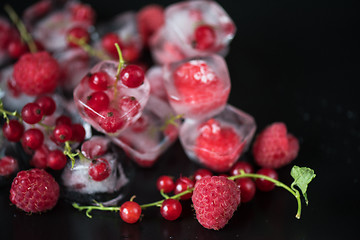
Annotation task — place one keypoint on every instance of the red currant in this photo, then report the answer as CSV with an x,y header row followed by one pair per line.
x,y
78,133
247,189
265,185
108,43
99,169
78,33
31,113
132,76
129,106
39,159
63,120
200,173
47,105
130,53
171,209
241,165
181,185
32,138
97,102
8,165
205,37
62,133
99,81
13,130
130,212
16,48
165,183
110,120
56,160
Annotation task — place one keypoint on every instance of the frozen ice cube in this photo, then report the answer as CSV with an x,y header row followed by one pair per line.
x,y
153,133
198,87
217,142
155,76
121,105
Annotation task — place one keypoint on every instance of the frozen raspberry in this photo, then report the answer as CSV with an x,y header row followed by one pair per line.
x,y
218,147
34,191
149,20
215,200
36,73
274,147
8,165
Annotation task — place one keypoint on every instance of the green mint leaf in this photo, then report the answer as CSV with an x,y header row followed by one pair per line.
x,y
302,177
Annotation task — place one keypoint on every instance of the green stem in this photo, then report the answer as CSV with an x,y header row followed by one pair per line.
x,y
81,42
121,64
158,203
98,207
47,127
5,113
277,183
21,28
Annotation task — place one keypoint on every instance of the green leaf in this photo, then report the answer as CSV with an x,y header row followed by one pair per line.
x,y
302,177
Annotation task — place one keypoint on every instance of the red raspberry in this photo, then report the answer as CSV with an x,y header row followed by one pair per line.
x,y
274,147
8,165
34,190
149,20
218,147
36,73
215,200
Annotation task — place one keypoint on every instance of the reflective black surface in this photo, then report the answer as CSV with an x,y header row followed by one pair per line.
x,y
291,61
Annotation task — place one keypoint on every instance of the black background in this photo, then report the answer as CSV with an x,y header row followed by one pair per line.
x,y
292,61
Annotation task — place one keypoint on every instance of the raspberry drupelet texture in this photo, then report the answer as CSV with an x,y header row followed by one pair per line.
x,y
215,200
36,73
34,190
274,147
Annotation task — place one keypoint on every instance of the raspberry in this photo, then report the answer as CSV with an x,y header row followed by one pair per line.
x,y
218,147
34,190
274,147
36,73
215,200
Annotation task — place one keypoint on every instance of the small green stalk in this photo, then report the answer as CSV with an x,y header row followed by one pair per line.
x,y
81,42
21,28
68,152
5,113
99,206
121,64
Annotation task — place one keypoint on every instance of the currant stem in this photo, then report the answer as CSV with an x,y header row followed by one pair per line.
x,y
7,113
21,28
158,203
121,64
81,42
98,207
277,183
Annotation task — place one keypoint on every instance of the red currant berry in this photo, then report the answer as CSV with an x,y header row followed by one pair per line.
x,y
62,133
77,33
171,209
130,212
39,159
181,185
132,76
32,139
99,169
99,81
97,102
31,113
205,37
129,106
110,120
165,183
108,43
47,105
8,165
63,120
200,173
130,53
241,165
78,132
56,160
16,49
247,189
13,130
265,185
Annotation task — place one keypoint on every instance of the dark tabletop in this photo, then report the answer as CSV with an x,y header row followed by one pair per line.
x,y
291,61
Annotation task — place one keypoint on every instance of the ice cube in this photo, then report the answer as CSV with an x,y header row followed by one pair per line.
x,y
155,77
198,87
121,107
217,142
153,133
